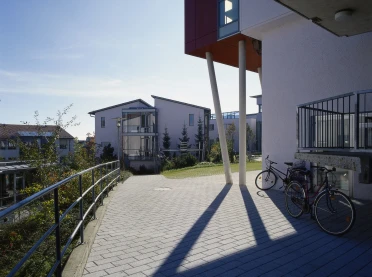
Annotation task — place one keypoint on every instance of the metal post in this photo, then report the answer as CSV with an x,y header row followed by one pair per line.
x,y
106,179
100,183
356,120
242,114
81,212
221,129
24,180
93,195
58,234
118,173
15,188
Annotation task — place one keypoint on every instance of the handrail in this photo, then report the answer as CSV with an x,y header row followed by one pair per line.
x,y
55,227
43,192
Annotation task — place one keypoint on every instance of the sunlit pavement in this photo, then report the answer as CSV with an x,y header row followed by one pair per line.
x,y
201,227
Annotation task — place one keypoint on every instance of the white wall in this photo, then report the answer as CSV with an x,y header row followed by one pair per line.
x,y
110,132
256,16
301,63
173,115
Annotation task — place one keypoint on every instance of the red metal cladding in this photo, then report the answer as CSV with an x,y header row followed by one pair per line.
x,y
201,35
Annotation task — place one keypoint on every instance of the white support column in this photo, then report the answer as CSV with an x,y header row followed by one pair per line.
x,y
221,129
259,70
242,114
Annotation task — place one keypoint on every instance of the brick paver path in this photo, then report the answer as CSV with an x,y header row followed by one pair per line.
x,y
200,227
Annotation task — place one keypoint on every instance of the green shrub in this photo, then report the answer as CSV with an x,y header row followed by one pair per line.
x,y
186,160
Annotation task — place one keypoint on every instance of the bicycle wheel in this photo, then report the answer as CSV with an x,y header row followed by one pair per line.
x,y
295,199
334,212
265,180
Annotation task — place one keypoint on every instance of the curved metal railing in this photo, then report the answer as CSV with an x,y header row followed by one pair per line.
x,y
113,172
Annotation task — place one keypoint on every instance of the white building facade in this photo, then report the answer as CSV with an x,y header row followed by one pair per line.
x,y
302,55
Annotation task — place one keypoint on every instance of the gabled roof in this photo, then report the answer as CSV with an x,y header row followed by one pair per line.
x,y
179,102
118,105
19,130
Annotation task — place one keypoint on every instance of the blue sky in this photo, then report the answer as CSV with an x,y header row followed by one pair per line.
x,y
93,54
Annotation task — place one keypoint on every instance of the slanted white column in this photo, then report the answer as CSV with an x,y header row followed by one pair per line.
x,y
259,70
242,114
221,129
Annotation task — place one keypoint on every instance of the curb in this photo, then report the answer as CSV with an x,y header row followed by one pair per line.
x,y
77,260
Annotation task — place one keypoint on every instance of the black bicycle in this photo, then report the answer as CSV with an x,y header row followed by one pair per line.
x,y
333,210
267,178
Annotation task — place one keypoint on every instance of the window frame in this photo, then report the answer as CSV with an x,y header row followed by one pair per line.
x,y
219,26
103,120
11,145
193,119
3,145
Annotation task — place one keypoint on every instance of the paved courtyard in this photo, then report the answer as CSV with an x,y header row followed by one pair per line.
x,y
155,226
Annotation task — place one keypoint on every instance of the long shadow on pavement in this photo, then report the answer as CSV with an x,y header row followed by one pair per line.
x,y
176,257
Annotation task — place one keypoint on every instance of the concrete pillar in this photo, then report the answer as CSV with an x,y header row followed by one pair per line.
x,y
217,109
242,114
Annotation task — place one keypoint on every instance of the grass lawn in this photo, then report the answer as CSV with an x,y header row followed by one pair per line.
x,y
197,171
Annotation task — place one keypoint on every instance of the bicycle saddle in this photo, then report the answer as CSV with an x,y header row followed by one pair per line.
x,y
288,163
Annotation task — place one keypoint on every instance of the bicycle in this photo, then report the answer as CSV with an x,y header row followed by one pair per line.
x,y
333,210
267,178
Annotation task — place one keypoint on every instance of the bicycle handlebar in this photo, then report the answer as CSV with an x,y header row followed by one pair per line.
x,y
271,162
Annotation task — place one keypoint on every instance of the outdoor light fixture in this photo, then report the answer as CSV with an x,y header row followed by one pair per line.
x,y
257,46
118,123
343,15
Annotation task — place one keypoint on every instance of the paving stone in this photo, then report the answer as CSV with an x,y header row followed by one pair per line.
x,y
201,227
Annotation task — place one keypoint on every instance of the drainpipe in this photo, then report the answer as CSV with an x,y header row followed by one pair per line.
x,y
217,109
242,114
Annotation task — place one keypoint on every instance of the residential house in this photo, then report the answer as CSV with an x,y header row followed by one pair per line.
x,y
254,121
10,133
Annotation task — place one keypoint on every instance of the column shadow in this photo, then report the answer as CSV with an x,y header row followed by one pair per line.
x,y
180,252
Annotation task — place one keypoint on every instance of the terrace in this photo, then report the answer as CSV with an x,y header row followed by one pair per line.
x,y
201,227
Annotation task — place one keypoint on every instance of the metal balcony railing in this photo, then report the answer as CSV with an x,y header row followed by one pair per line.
x,y
137,129
341,122
103,176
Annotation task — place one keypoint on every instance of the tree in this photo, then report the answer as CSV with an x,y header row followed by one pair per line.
x,y
230,131
108,154
185,138
166,142
199,138
250,138
44,157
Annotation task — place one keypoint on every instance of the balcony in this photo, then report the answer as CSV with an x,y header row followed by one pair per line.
x,y
341,122
135,129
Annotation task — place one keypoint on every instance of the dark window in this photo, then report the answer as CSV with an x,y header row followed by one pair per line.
x,y
103,122
3,144
211,127
191,119
11,145
63,144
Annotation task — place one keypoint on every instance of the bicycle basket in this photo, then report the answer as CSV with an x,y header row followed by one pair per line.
x,y
299,164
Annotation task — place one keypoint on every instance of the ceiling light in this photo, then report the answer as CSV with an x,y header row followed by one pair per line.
x,y
343,15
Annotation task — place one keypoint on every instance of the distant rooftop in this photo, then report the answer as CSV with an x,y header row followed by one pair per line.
x,y
118,105
179,102
230,115
23,130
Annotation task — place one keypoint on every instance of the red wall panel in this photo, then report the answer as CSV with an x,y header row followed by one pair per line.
x,y
189,21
